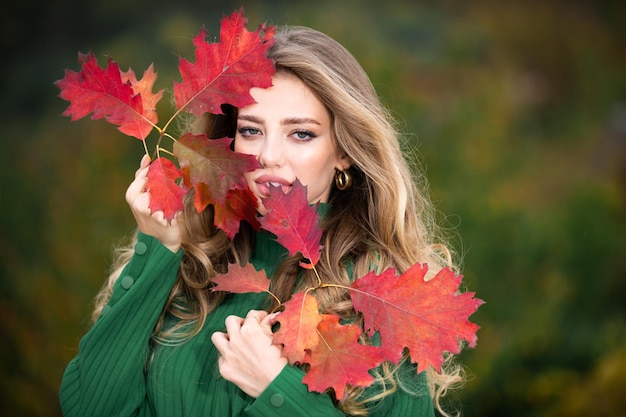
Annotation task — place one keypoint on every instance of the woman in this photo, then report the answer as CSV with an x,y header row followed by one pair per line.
x,y
163,344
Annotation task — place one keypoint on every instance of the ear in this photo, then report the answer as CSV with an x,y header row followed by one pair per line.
x,y
343,163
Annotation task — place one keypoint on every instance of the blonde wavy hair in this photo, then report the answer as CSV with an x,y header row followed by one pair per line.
x,y
385,219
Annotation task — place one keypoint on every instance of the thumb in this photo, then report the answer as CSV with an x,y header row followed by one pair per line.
x,y
145,161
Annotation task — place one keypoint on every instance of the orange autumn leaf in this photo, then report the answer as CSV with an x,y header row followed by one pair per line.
x,y
241,279
143,88
338,359
298,327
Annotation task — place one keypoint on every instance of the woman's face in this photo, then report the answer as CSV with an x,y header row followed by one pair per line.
x,y
288,130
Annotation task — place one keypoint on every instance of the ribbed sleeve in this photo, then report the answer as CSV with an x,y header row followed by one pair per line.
x,y
106,378
287,396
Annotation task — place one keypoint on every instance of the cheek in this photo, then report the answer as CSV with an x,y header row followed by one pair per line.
x,y
248,177
248,147
238,145
319,174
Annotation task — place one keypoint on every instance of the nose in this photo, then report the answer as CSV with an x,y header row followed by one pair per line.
x,y
271,152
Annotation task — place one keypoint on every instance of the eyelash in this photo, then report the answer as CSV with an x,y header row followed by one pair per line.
x,y
251,131
248,131
309,135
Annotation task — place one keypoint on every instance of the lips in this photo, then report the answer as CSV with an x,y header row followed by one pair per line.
x,y
265,182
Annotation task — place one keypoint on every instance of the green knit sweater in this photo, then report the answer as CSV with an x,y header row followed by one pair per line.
x,y
117,373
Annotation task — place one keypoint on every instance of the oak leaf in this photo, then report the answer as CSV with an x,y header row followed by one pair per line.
x,y
215,171
298,324
294,222
165,193
224,72
108,93
143,88
241,279
338,359
427,317
239,205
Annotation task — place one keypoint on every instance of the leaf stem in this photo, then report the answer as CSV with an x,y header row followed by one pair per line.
x,y
163,133
170,136
145,147
319,279
166,151
171,119
334,286
275,298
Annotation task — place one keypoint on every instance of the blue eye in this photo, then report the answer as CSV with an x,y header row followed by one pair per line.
x,y
303,135
248,131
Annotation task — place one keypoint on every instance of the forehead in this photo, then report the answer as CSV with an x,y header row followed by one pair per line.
x,y
289,97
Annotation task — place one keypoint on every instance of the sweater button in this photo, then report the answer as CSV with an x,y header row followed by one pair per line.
x,y
141,248
127,282
277,400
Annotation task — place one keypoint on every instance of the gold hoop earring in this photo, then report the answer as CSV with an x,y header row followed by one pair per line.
x,y
343,179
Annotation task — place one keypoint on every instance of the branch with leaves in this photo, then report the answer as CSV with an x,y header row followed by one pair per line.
x,y
426,317
223,73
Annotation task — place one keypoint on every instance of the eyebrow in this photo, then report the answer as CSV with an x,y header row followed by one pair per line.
x,y
287,121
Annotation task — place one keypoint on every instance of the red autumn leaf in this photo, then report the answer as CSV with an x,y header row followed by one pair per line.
x,y
338,359
165,193
241,280
149,100
224,72
110,94
214,170
294,222
427,317
298,323
240,205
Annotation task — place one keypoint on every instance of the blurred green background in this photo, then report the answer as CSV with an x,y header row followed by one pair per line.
x,y
517,111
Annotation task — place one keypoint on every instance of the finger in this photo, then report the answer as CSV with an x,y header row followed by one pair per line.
x,y
135,188
266,327
159,216
253,317
256,314
144,164
220,340
141,203
257,320
177,216
233,325
142,171
270,319
145,161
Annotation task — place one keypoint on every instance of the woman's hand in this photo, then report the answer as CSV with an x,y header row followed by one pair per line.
x,y
153,224
248,357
